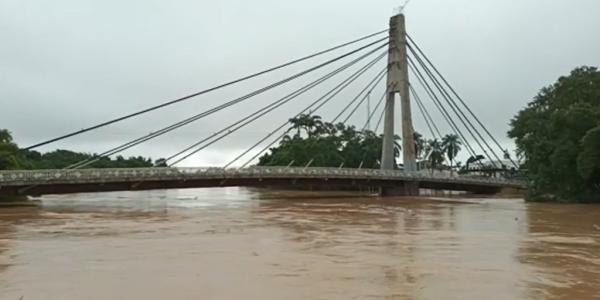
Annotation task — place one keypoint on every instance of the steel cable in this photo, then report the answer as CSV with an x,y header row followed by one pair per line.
x,y
202,92
214,109
330,95
263,111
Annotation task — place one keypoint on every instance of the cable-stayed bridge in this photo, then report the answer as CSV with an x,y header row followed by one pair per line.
x,y
360,57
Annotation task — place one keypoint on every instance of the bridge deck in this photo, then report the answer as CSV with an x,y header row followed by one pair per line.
x,y
36,182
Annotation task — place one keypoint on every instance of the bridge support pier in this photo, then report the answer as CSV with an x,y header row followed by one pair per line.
x,y
408,188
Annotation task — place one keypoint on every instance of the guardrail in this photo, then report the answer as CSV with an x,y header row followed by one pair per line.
x,y
44,177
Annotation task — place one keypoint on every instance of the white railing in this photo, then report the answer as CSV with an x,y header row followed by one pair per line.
x,y
44,177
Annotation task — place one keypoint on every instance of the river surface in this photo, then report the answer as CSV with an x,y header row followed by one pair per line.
x,y
256,244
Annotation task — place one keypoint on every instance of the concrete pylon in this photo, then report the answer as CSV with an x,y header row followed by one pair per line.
x,y
397,82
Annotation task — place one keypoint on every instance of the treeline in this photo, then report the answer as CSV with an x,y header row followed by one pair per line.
x,y
310,141
558,135
14,158
322,144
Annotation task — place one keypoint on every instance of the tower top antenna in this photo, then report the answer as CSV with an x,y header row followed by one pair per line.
x,y
400,9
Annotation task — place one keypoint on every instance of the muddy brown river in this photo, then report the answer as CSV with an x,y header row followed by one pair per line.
x,y
256,244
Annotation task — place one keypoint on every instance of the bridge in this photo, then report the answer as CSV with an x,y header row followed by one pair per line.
x,y
403,56
39,182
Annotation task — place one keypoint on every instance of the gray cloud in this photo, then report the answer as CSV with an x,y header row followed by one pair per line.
x,y
66,65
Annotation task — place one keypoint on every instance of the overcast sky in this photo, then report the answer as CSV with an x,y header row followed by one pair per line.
x,y
68,64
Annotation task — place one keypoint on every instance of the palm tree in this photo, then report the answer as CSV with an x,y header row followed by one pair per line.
x,y
451,145
419,144
329,129
307,122
313,125
435,153
349,133
296,124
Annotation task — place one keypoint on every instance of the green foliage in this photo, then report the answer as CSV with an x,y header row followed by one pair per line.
x,y
5,136
558,135
451,145
12,158
420,144
326,145
588,161
435,150
59,159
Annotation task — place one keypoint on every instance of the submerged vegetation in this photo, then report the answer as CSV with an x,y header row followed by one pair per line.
x,y
558,135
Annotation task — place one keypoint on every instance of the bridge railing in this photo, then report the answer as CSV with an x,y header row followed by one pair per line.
x,y
376,173
40,177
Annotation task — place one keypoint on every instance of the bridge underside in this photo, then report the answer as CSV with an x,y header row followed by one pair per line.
x,y
391,187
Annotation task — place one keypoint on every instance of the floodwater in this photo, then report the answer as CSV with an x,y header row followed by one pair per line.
x,y
255,244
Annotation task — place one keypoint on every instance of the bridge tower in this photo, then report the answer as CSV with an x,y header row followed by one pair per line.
x,y
397,83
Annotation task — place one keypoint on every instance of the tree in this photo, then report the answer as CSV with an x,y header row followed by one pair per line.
x,y
326,145
296,125
419,144
9,152
435,154
5,136
315,126
11,157
557,136
308,123
160,163
451,145
588,160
